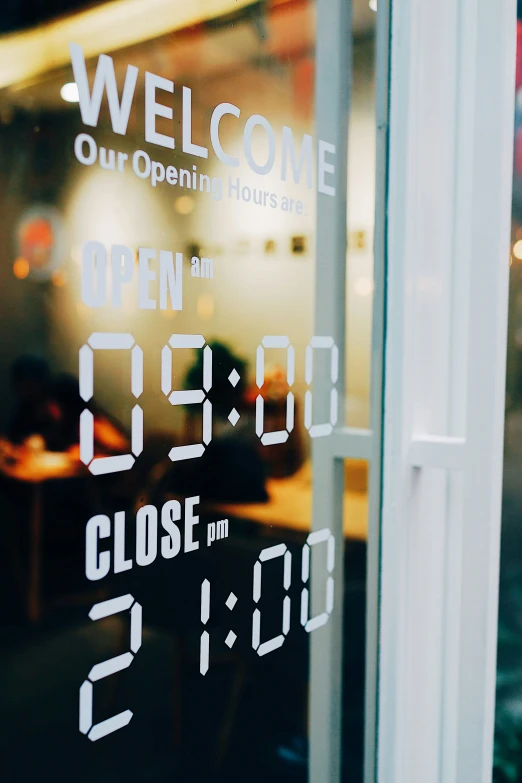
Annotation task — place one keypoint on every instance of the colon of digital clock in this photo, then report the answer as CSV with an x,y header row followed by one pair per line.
x,y
300,159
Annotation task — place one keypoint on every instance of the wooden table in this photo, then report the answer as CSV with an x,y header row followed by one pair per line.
x,y
34,469
290,506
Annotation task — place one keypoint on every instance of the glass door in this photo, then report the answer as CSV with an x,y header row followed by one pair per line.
x,y
191,433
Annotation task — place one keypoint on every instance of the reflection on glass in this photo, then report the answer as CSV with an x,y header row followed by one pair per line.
x,y
157,399
361,212
508,729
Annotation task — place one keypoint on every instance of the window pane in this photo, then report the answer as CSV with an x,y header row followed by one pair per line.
x,y
160,581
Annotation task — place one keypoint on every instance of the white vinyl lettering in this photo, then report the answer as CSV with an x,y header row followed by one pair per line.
x,y
188,146
217,114
321,430
171,543
154,109
122,266
79,149
271,552
105,78
171,283
146,535
305,156
325,168
97,564
279,436
111,666
94,274
190,521
109,341
251,123
145,276
120,563
317,537
189,396
96,285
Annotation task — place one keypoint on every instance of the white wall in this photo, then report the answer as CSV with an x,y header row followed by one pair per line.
x,y
253,293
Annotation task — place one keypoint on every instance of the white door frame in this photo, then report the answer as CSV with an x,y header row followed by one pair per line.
x,y
449,210
332,99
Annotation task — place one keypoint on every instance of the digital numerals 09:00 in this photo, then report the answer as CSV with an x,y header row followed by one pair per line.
x,y
121,341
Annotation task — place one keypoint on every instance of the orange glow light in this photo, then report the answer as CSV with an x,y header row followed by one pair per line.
x,y
36,241
205,307
21,268
58,278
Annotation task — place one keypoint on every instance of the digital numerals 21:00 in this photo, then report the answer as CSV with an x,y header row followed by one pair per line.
x,y
124,603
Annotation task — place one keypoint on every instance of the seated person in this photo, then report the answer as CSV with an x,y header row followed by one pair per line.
x,y
47,414
64,407
231,469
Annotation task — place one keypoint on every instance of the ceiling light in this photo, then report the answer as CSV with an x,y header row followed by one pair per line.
x,y
105,28
373,5
69,92
184,205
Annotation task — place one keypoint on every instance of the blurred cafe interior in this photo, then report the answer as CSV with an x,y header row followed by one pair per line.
x,y
252,719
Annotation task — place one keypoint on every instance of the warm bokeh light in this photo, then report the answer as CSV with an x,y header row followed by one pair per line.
x,y
21,268
58,278
517,249
69,92
82,310
363,286
184,205
106,27
205,307
36,237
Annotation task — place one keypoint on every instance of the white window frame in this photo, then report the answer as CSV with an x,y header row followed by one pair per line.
x,y
332,105
449,211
